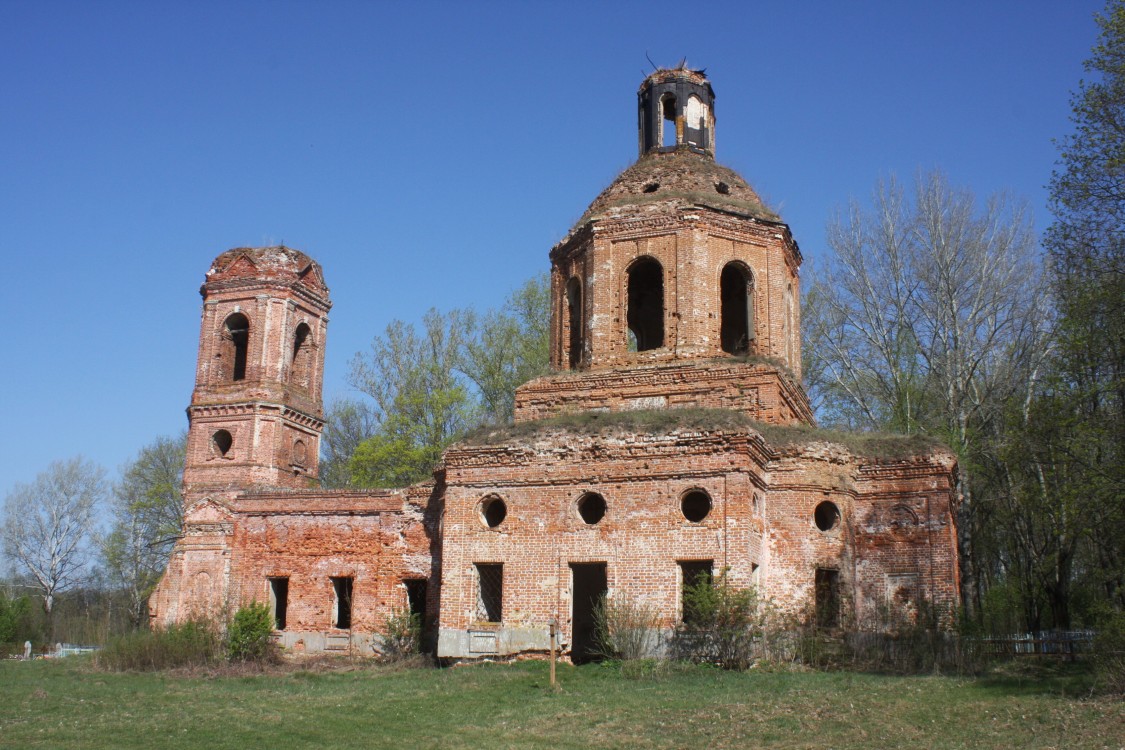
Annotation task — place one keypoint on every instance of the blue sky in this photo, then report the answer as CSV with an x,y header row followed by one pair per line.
x,y
431,153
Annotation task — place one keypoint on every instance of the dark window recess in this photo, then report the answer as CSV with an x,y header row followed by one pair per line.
x,y
826,515
695,505
645,315
279,600
342,602
490,592
827,598
493,510
416,597
693,573
300,364
574,317
236,343
222,441
737,311
591,507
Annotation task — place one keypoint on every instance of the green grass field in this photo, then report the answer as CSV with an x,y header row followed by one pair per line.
x,y
67,704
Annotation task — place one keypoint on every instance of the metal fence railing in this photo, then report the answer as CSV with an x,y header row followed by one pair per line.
x,y
1068,643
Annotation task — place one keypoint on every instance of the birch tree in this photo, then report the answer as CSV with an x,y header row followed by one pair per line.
x,y
930,315
48,526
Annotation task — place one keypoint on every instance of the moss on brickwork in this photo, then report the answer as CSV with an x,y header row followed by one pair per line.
x,y
877,445
681,176
880,446
599,423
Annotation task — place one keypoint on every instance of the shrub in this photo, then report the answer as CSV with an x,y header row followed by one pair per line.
x,y
248,636
193,643
626,629
402,635
15,619
720,624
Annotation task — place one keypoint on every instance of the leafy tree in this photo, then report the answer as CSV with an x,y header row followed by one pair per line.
x,y
929,317
1084,404
48,527
508,347
426,388
348,422
147,512
421,401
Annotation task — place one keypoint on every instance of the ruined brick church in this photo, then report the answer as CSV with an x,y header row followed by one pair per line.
x,y
672,440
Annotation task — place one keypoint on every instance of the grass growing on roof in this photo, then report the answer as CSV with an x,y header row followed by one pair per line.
x,y
875,445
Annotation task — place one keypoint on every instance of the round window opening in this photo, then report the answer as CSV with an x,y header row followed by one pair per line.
x,y
827,516
493,511
695,505
591,507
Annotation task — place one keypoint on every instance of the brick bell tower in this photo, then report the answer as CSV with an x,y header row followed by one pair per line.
x,y
677,287
256,413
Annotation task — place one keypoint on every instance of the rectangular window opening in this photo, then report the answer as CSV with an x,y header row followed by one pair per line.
x,y
342,602
490,592
279,600
693,575
827,598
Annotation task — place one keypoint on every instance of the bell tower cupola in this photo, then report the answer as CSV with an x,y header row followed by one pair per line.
x,y
256,413
676,108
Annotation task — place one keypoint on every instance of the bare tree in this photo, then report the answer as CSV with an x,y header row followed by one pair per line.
x,y
48,526
929,317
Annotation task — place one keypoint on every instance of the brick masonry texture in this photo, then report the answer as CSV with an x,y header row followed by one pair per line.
x,y
676,290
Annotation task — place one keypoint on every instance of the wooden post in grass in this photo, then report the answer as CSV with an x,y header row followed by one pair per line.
x,y
553,629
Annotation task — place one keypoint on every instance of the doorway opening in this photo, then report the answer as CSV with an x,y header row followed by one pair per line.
x,y
588,589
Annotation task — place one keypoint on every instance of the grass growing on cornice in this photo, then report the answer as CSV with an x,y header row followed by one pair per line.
x,y
882,446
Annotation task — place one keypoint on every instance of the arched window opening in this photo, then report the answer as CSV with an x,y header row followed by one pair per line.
x,y
300,453
574,318
236,343
302,356
645,316
736,325
668,115
221,442
696,122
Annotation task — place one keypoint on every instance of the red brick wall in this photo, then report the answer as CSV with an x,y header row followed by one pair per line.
x,y
692,245
760,527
